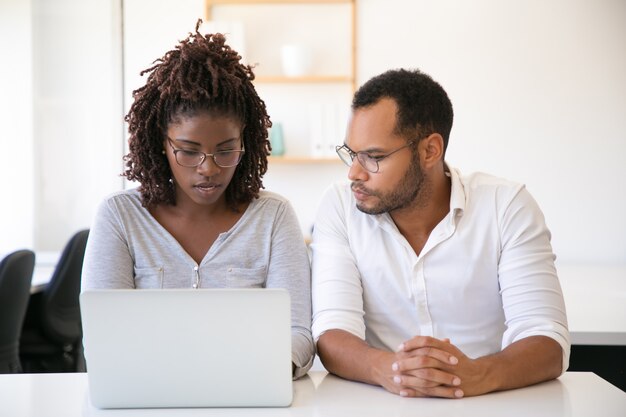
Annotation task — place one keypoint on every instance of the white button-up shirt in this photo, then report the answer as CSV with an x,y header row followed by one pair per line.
x,y
484,279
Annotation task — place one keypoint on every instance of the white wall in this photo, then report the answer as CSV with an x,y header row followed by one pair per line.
x,y
152,28
16,119
539,91
77,107
61,108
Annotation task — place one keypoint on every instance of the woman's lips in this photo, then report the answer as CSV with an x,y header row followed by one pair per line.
x,y
207,188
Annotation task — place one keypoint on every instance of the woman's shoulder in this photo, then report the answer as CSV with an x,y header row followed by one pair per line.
x,y
270,197
269,203
128,195
123,200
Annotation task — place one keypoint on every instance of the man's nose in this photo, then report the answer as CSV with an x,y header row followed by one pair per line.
x,y
357,172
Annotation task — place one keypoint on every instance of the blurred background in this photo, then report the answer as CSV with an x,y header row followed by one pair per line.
x,y
538,88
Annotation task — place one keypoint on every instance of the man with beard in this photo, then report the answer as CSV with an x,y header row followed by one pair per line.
x,y
428,282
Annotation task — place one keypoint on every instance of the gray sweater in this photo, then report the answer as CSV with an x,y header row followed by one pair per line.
x,y
128,248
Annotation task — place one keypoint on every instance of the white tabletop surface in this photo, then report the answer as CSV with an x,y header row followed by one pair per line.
x,y
45,262
580,394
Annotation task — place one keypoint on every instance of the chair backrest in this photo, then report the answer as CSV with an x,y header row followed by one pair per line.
x,y
60,312
16,274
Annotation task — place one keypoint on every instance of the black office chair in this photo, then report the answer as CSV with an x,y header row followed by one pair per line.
x,y
52,334
16,274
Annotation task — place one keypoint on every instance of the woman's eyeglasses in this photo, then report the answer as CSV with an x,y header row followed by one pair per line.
x,y
192,159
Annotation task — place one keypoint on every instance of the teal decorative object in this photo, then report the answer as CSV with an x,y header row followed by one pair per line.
x,y
277,140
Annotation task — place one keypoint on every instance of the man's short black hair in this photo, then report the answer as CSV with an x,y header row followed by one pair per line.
x,y
423,105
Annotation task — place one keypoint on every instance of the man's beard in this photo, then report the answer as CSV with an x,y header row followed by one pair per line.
x,y
404,195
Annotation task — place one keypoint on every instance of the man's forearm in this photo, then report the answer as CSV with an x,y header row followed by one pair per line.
x,y
349,357
525,362
528,361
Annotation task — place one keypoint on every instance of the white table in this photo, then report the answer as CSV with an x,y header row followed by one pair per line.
x,y
595,298
45,262
579,394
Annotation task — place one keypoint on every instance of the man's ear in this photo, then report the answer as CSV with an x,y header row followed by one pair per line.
x,y
430,150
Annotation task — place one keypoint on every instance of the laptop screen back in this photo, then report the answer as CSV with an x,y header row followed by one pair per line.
x,y
187,348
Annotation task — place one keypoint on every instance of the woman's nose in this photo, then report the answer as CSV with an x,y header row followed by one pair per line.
x,y
208,167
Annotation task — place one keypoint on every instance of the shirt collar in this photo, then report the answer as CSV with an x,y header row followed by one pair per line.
x,y
457,192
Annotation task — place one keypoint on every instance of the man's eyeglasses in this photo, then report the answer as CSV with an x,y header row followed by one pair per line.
x,y
192,159
367,161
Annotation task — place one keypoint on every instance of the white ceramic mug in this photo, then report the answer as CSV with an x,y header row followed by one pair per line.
x,y
297,60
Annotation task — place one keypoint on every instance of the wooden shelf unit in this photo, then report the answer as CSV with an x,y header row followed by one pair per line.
x,y
311,79
296,160
351,78
276,1
345,79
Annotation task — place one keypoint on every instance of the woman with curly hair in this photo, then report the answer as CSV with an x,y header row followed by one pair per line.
x,y
199,219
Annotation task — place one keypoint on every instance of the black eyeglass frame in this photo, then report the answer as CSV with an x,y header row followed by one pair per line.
x,y
363,157
206,155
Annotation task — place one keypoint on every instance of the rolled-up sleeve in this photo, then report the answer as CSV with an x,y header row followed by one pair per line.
x,y
531,293
336,285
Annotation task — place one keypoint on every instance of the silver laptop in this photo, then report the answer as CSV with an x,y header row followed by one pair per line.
x,y
188,348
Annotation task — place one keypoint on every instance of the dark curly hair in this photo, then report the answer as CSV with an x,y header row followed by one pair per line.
x,y
201,74
423,105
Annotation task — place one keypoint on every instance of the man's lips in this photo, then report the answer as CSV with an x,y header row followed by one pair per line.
x,y
359,192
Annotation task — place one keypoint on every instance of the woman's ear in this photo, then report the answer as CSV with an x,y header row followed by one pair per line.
x,y
430,150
